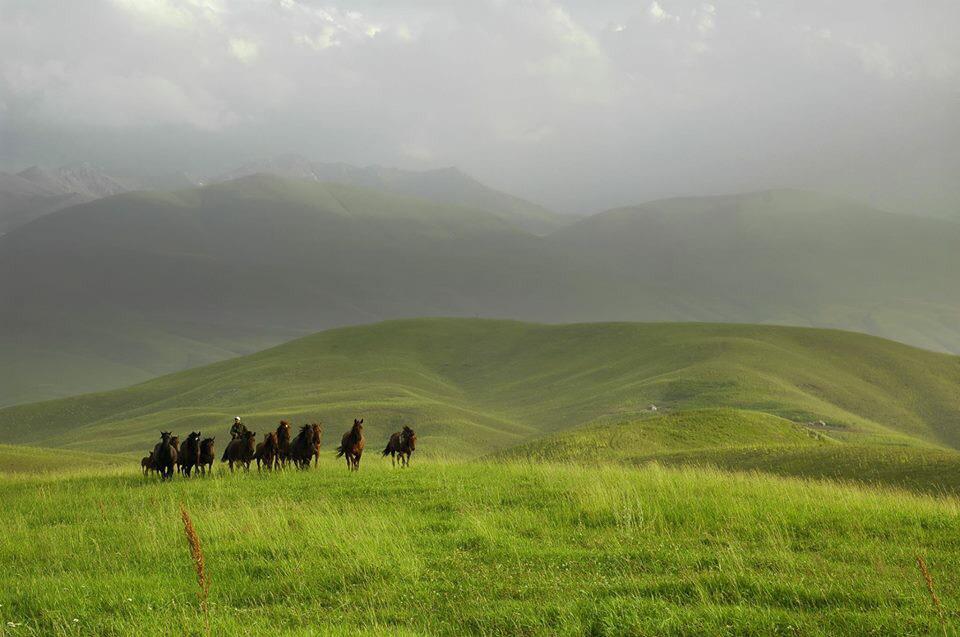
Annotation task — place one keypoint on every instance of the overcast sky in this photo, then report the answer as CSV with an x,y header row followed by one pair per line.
x,y
580,105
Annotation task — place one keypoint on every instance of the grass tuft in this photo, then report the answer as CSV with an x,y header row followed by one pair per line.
x,y
928,579
199,563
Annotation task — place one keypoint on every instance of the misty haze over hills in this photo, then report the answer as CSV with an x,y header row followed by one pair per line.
x,y
133,285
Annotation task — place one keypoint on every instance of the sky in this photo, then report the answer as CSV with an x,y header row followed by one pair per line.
x,y
580,105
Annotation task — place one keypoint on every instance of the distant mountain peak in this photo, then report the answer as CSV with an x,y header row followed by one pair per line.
x,y
448,185
81,178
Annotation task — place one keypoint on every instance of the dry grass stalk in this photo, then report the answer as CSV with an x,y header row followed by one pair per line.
x,y
196,552
933,595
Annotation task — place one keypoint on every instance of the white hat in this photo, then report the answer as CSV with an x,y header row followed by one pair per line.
x,y
236,419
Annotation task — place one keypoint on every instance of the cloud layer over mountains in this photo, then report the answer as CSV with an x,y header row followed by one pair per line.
x,y
577,105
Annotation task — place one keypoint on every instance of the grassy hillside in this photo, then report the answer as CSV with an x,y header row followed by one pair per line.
x,y
156,282
474,549
473,386
20,459
736,440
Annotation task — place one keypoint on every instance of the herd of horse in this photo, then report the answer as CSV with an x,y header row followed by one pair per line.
x,y
277,450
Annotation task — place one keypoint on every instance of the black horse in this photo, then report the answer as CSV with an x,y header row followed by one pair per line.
x,y
190,453
165,456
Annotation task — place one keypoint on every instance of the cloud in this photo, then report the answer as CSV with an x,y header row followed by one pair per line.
x,y
185,14
244,50
578,103
704,18
658,14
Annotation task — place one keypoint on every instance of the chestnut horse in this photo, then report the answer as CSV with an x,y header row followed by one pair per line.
x,y
268,452
351,445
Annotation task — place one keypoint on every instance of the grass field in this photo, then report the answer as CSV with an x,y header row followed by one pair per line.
x,y
475,548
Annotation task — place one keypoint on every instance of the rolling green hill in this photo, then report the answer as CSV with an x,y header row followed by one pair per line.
x,y
738,440
474,386
129,287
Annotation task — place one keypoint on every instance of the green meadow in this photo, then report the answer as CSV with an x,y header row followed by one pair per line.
x,y
478,548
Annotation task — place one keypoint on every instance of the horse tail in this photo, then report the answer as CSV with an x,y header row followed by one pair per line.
x,y
386,450
225,452
340,451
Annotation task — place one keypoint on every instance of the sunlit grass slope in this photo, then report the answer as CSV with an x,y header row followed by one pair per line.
x,y
746,441
474,386
474,549
20,459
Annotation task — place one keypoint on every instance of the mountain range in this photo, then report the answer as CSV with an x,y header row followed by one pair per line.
x,y
124,288
37,191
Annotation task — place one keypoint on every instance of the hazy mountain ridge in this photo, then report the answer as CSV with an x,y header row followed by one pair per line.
x,y
445,185
254,261
36,191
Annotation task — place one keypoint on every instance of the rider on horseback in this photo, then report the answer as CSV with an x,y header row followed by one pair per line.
x,y
237,429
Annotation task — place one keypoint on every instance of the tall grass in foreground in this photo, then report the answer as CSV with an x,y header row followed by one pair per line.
x,y
928,580
456,549
196,552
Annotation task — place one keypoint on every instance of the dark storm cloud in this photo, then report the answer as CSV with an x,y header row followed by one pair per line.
x,y
581,105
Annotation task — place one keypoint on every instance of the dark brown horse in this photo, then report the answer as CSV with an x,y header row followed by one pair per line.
x,y
401,446
241,450
317,440
303,447
351,445
207,455
190,453
268,452
165,456
283,442
175,441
